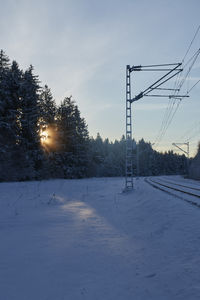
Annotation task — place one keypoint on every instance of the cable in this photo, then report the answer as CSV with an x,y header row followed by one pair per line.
x,y
171,108
194,126
189,70
194,37
178,78
165,119
170,117
195,133
193,86
191,43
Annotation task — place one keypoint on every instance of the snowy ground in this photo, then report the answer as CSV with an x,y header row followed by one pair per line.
x,y
84,239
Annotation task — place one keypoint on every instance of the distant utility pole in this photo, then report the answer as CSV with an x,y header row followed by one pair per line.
x,y
170,70
177,145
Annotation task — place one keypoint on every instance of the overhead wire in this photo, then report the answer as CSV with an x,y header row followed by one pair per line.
x,y
189,70
191,42
192,133
193,136
183,59
170,115
194,126
178,104
172,108
193,86
167,112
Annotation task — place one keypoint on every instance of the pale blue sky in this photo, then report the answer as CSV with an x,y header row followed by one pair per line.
x,y
81,48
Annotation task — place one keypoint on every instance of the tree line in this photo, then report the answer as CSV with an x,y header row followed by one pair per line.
x,y
40,140
194,168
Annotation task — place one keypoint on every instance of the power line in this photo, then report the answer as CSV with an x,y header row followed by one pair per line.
x,y
165,125
191,43
193,136
193,86
187,51
194,132
194,126
172,108
172,111
189,70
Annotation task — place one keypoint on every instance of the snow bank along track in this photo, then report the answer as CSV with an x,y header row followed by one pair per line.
x,y
172,189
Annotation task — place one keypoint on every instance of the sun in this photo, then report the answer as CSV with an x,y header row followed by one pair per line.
x,y
49,138
44,135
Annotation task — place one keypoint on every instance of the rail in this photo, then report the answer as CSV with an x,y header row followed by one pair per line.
x,y
162,187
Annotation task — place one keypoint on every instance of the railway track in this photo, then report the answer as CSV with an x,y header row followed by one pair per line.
x,y
172,189
178,184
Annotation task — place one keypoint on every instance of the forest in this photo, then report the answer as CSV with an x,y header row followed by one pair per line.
x,y
194,168
40,139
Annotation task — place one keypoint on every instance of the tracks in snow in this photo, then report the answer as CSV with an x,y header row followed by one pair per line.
x,y
177,190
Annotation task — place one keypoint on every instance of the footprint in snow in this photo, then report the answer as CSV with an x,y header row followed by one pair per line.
x,y
150,275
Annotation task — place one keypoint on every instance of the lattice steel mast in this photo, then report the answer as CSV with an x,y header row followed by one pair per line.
x,y
171,71
129,143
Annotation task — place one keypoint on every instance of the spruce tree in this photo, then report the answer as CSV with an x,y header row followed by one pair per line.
x,y
47,106
4,70
10,88
73,139
47,123
29,137
4,124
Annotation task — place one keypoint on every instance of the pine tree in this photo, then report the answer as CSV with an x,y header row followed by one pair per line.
x,y
73,139
10,118
81,144
4,69
47,106
13,117
47,124
4,124
29,137
4,61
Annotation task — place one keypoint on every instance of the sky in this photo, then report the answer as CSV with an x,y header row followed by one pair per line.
x,y
81,48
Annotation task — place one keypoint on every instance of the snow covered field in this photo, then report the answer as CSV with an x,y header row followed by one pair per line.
x,y
85,239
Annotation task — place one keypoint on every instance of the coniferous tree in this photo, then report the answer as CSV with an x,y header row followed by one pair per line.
x,y
47,124
4,61
4,124
73,139
81,144
29,137
96,154
10,118
13,100
194,168
47,106
4,69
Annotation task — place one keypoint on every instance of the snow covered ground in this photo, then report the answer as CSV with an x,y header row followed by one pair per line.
x,y
85,239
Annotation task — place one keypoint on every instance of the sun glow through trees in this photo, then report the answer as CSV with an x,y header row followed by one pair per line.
x,y
49,138
45,138
44,135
